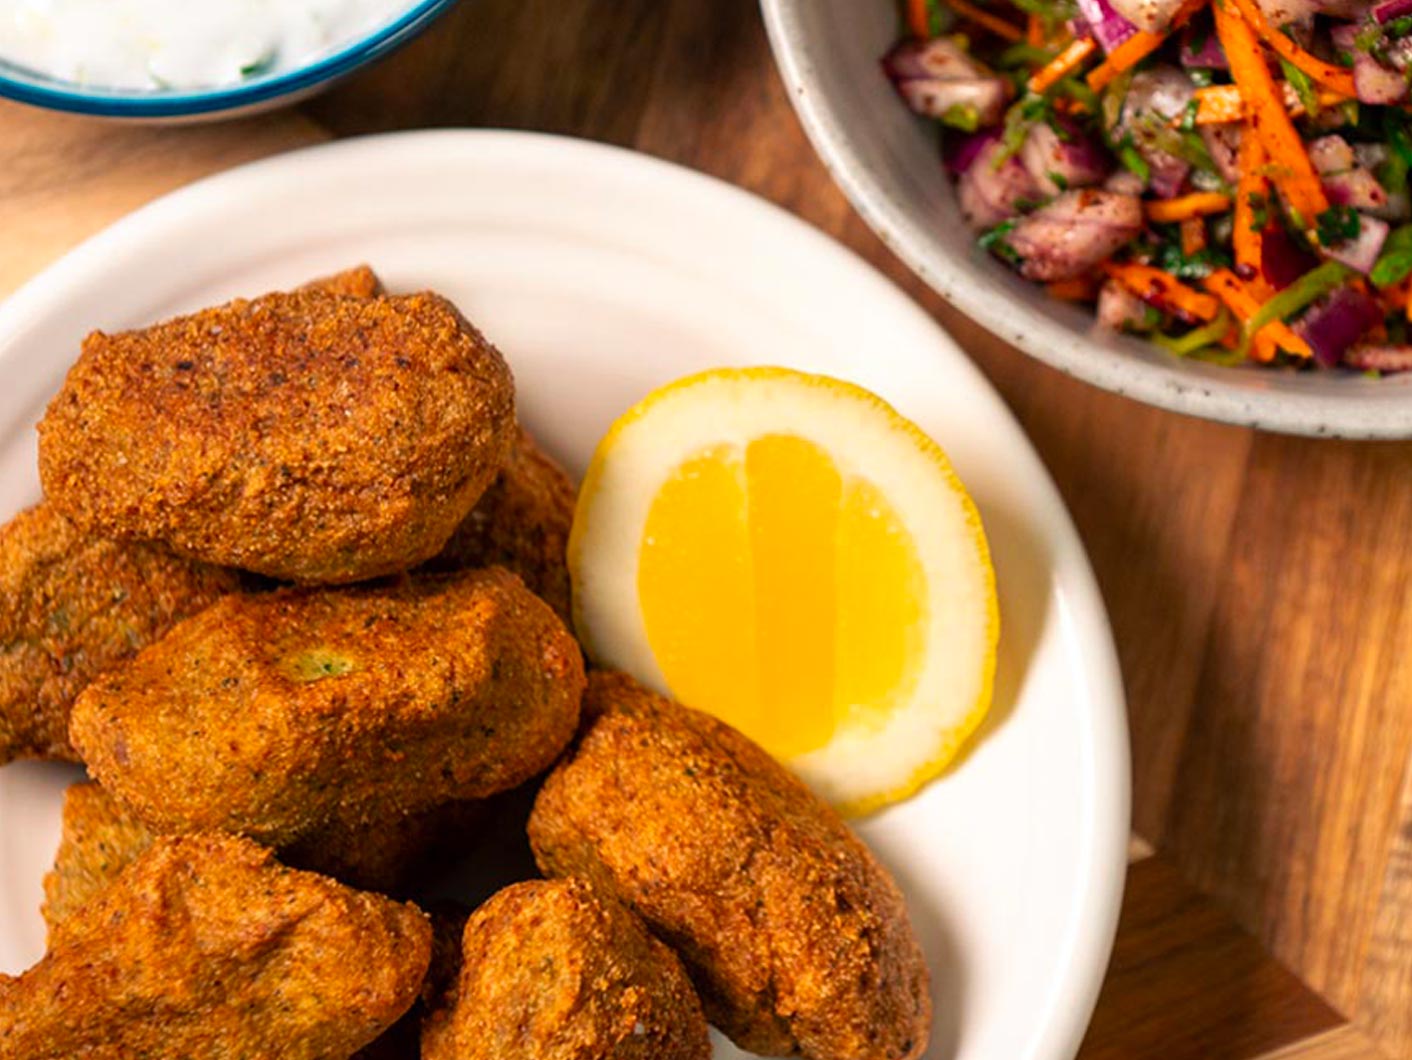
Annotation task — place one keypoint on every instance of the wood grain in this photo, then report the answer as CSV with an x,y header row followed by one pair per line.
x,y
1260,587
63,177
1187,984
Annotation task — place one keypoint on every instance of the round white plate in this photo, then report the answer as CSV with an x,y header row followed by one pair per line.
x,y
603,274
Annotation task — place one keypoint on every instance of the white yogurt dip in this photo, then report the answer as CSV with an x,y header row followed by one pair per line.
x,y
154,44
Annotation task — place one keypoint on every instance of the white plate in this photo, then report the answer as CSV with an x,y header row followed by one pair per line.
x,y
602,274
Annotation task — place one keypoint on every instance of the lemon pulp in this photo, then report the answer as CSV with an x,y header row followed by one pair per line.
x,y
780,594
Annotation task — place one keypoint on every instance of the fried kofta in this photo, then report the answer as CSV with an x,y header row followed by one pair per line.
x,y
282,715
99,839
403,1040
553,971
206,946
798,941
522,524
304,436
73,606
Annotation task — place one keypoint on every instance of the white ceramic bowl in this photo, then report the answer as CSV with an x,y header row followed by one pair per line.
x,y
263,92
888,163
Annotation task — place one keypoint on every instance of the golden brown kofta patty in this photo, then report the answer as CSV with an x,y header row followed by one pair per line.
x,y
99,839
798,941
522,523
206,946
281,715
301,435
73,606
552,971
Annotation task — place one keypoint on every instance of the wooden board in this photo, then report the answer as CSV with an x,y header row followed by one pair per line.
x,y
1260,587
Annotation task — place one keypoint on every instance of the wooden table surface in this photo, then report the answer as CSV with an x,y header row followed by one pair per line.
x,y
1260,587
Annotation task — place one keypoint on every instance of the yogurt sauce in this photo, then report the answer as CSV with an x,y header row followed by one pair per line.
x,y
155,44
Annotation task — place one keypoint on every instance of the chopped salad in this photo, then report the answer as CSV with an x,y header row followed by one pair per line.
x,y
1226,177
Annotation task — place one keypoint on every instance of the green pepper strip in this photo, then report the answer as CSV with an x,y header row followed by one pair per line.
x,y
1197,338
1313,284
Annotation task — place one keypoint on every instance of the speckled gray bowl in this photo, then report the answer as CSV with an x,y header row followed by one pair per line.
x,y
888,164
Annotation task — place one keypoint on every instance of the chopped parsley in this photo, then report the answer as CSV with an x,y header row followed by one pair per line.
x,y
1169,258
1132,161
1338,224
993,240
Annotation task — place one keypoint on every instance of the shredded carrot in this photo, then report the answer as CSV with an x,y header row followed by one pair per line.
x,y
1063,64
1197,204
1080,289
981,17
1253,188
1138,47
1243,302
1268,119
919,19
1218,104
1151,283
1193,236
1328,75
1034,31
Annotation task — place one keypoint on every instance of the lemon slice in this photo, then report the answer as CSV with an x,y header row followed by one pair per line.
x,y
790,554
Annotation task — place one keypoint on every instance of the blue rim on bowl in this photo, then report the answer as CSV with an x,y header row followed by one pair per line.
x,y
26,86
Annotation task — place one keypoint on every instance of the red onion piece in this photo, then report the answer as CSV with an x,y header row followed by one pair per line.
x,y
1121,310
934,77
1375,84
1223,145
989,195
1362,251
1202,49
1073,233
1108,27
1282,260
1168,174
1391,9
1331,154
1299,13
959,152
1336,322
1380,358
1063,158
1357,188
1156,96
1124,182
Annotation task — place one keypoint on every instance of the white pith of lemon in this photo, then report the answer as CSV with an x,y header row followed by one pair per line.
x,y
787,552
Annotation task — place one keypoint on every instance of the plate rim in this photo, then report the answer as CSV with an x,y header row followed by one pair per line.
x,y
1076,599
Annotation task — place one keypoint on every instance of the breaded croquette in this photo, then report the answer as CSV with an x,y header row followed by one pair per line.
x,y
73,606
99,839
302,435
206,946
522,524
282,715
798,941
552,971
